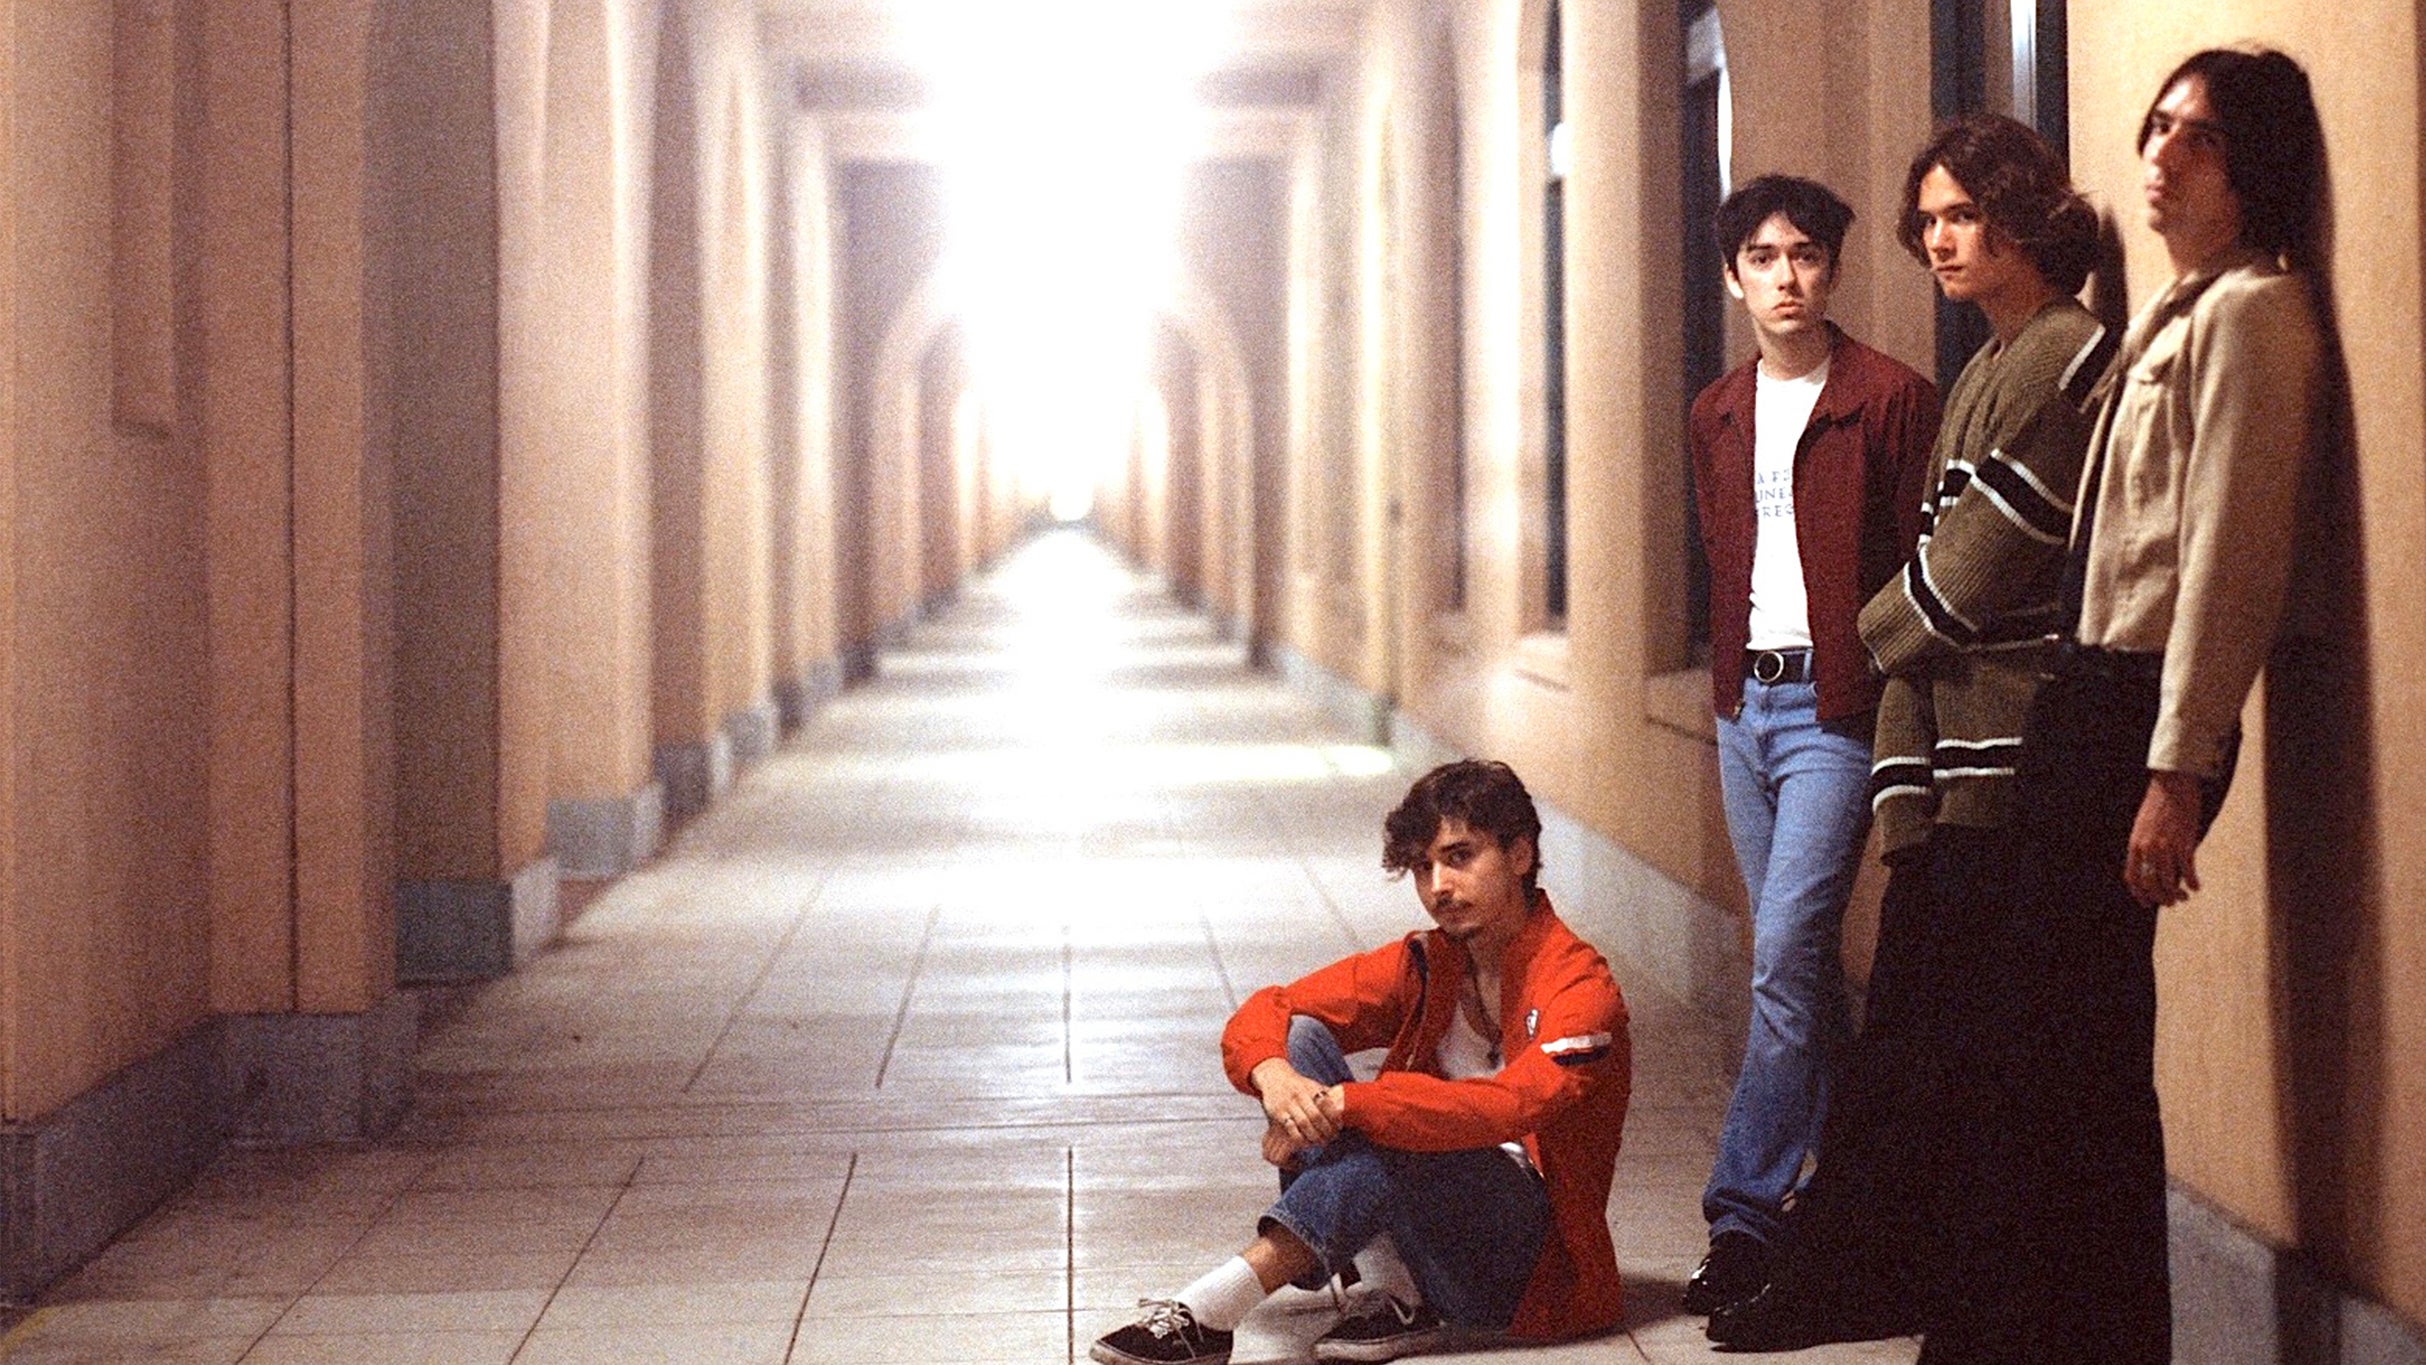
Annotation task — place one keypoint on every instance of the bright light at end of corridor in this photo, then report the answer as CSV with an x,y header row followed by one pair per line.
x,y
1066,127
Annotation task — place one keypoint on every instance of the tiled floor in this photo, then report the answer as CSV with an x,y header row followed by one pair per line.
x,y
903,1054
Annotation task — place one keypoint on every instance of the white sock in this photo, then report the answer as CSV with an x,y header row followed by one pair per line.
x,y
1379,1266
1221,1298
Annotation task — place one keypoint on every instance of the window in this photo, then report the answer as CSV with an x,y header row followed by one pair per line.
x,y
1708,114
1554,326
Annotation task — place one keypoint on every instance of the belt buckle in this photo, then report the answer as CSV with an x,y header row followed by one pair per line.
x,y
1768,667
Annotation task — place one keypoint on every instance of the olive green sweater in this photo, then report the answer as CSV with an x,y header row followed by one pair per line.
x,y
1964,632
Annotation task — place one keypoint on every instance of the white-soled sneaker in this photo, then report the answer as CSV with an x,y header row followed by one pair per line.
x,y
1383,1329
1165,1333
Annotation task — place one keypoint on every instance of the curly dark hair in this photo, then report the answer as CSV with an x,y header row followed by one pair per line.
x,y
2022,189
1808,204
2274,147
1482,794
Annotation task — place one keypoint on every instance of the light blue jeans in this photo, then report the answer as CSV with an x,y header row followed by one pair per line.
x,y
1469,1224
1798,810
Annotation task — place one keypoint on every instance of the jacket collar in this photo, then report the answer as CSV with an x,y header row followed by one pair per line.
x,y
1839,397
2183,294
1446,954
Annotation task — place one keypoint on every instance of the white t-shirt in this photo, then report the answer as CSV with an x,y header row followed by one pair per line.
x,y
1781,611
1464,1053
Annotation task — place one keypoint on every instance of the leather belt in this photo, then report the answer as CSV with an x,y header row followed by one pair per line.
x,y
1770,667
2118,665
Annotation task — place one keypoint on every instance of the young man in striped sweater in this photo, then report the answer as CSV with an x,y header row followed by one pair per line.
x,y
1964,636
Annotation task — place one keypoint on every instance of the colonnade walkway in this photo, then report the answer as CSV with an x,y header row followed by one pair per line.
x,y
904,1053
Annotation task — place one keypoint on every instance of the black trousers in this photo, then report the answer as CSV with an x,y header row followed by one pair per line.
x,y
1996,1160
1871,1241
2058,1248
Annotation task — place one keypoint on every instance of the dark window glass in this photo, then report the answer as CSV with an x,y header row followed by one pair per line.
x,y
1554,323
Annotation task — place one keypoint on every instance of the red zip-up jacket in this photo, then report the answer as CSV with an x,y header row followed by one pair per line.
x,y
1563,1091
1861,474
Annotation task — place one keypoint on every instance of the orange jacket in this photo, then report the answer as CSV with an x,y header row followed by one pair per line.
x,y
1562,1092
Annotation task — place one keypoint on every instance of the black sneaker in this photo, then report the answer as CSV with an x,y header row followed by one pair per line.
x,y
1165,1333
1736,1269
1383,1329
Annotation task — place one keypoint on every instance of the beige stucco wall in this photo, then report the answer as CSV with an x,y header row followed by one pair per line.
x,y
804,634
442,208
104,924
572,122
197,618
711,504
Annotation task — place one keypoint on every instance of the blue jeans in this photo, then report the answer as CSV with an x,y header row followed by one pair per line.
x,y
1798,809
1468,1224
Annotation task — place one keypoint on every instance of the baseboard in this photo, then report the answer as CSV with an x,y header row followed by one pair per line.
x,y
1366,717
80,1175
859,662
797,700
2240,1300
593,839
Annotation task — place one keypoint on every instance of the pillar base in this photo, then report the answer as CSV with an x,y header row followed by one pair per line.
x,y
80,1175
752,732
596,838
449,931
297,1078
693,774
797,700
2239,1300
1364,715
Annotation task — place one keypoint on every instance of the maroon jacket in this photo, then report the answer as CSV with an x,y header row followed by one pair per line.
x,y
1860,474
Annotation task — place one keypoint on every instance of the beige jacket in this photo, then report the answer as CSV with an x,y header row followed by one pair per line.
x,y
2205,429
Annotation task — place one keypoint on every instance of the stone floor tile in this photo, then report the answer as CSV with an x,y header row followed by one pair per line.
x,y
491,1310
597,1307
963,1338
387,1348
677,1344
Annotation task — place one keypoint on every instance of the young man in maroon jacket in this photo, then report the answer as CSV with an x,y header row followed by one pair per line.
x,y
1809,466
1467,1182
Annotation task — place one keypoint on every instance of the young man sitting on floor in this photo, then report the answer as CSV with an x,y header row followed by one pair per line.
x,y
1468,1182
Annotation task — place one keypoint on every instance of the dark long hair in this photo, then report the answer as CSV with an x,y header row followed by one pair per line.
x,y
2274,147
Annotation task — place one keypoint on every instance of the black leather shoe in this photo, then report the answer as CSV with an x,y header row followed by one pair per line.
x,y
1736,1269
1774,1320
